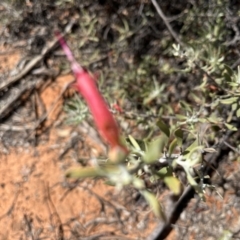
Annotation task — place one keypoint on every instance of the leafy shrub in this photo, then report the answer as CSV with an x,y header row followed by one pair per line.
x,y
183,100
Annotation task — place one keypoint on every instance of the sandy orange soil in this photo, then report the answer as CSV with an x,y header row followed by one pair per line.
x,y
34,201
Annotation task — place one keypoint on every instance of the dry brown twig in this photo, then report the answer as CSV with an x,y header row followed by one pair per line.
x,y
30,85
166,21
54,105
11,208
29,227
32,63
54,216
27,89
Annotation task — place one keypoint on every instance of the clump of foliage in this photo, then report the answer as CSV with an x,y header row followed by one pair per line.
x,y
185,99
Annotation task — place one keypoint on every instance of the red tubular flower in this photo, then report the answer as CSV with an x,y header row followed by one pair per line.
x,y
103,118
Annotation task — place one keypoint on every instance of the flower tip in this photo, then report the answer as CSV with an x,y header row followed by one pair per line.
x,y
65,47
118,154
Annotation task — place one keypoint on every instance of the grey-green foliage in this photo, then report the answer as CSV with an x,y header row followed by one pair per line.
x,y
179,132
76,110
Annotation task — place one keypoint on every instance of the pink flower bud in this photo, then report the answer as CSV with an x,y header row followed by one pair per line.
x,y
86,86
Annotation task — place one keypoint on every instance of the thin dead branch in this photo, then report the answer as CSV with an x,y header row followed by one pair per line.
x,y
74,138
11,208
32,63
29,226
104,202
166,21
53,106
54,216
27,89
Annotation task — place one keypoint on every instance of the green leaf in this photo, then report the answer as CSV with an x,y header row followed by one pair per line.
x,y
226,235
228,70
179,135
238,113
230,127
194,184
155,149
234,106
138,183
110,183
83,172
173,184
163,127
237,76
154,204
191,147
214,119
227,73
193,153
162,172
181,117
172,146
185,106
134,142
229,100
227,77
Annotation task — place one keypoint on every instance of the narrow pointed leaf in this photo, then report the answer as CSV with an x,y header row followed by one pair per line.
x,y
179,135
238,113
172,146
229,100
230,127
134,142
163,127
173,184
83,172
154,204
155,149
